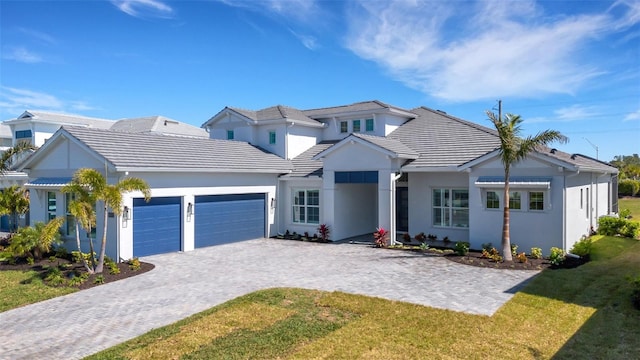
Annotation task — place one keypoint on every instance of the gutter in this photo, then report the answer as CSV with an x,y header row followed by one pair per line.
x,y
392,230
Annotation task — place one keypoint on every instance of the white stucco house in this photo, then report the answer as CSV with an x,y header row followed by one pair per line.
x,y
353,167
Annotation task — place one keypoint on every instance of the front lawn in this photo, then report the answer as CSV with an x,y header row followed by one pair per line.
x,y
633,204
584,312
19,288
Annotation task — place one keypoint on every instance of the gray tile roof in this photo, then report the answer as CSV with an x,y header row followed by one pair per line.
x,y
275,113
158,125
373,105
151,151
305,166
578,160
442,140
63,119
389,144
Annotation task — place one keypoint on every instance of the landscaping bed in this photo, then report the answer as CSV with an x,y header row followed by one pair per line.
x,y
69,270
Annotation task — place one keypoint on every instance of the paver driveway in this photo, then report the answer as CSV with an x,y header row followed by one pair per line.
x,y
182,284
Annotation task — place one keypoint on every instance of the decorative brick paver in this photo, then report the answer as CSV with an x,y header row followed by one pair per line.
x,y
80,324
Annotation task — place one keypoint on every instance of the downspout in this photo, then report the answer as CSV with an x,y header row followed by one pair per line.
x,y
393,208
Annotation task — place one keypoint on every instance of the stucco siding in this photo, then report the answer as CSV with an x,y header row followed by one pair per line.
x,y
285,206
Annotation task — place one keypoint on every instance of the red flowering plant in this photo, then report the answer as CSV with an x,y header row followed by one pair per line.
x,y
381,237
324,231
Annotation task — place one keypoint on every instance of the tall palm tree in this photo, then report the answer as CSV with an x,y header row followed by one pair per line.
x,y
514,148
9,156
109,196
83,208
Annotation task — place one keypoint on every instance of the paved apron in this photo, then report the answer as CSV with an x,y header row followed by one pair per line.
x,y
83,323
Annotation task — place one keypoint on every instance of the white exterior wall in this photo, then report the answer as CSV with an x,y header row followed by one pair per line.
x,y
528,228
242,131
300,139
383,124
421,187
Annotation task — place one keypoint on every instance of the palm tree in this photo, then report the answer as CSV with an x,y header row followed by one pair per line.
x,y
109,196
13,201
512,149
9,156
83,208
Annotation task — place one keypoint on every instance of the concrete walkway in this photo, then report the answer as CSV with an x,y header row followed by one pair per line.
x,y
80,324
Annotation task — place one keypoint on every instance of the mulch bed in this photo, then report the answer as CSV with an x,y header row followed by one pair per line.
x,y
42,266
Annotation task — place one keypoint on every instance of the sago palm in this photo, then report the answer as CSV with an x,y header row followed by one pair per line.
x,y
513,149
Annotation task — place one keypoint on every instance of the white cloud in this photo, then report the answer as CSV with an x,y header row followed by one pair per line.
x,y
22,54
307,41
475,51
144,8
14,101
632,116
43,37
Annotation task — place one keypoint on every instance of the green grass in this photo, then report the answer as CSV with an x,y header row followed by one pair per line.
x,y
573,313
18,288
633,204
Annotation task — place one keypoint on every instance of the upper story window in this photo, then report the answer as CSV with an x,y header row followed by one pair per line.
x,y
23,134
344,126
536,200
356,125
368,125
272,137
230,135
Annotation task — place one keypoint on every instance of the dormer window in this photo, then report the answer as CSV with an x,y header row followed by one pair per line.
x,y
23,134
230,135
356,125
272,137
344,127
368,125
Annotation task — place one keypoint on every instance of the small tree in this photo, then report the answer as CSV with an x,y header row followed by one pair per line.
x,y
91,188
13,201
513,149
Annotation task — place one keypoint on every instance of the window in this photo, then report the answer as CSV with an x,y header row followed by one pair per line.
x,y
368,125
306,206
51,205
515,200
493,201
587,203
230,135
581,198
356,125
23,134
344,126
272,137
536,200
451,207
70,225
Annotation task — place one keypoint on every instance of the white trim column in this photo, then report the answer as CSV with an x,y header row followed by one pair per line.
x,y
385,203
327,201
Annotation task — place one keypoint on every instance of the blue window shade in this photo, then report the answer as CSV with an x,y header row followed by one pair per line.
x,y
23,134
356,177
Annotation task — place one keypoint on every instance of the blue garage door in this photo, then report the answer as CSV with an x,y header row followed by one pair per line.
x,y
156,226
222,219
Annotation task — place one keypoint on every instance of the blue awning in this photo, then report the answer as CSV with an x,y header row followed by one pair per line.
x,y
48,182
532,182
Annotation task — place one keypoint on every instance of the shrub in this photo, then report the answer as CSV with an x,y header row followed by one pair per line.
x,y
582,248
134,264
113,268
54,276
446,240
406,237
381,237
99,280
492,254
462,248
421,237
76,280
487,246
324,232
628,187
625,213
522,257
431,237
611,226
35,241
536,253
514,249
556,256
424,246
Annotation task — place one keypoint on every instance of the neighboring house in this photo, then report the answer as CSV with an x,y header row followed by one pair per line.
x,y
354,167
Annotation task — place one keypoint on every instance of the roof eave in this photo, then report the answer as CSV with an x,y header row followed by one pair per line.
x,y
200,170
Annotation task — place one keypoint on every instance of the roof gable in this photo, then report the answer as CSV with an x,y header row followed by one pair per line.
x,y
273,114
390,147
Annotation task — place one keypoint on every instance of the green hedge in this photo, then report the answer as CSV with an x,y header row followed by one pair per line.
x,y
628,187
612,226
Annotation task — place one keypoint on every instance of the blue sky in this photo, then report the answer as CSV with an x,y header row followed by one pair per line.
x,y
572,66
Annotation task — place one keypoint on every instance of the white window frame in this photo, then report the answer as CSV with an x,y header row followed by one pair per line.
x,y
447,209
51,214
486,200
366,125
300,209
70,220
512,197
544,207
344,127
353,125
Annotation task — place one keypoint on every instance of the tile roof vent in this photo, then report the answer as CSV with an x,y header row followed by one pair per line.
x,y
441,111
573,157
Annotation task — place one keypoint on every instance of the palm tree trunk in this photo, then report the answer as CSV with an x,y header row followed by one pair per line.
x,y
103,245
84,261
506,237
